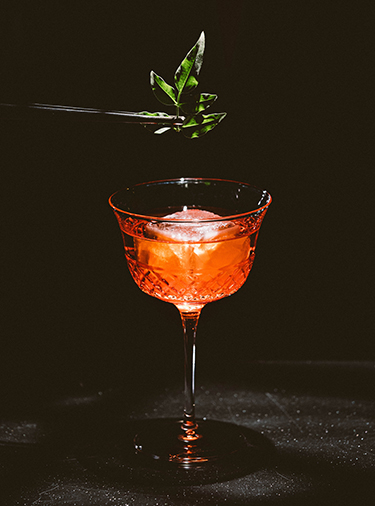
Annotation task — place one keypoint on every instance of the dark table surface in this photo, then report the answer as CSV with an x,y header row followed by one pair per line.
x,y
314,422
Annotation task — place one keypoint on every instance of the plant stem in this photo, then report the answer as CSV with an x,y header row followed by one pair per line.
x,y
178,114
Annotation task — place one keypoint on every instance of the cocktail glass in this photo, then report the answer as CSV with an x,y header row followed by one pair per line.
x,y
190,241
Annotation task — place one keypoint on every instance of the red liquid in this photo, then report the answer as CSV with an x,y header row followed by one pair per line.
x,y
185,266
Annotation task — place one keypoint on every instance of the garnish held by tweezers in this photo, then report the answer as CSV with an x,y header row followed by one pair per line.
x,y
184,96
189,104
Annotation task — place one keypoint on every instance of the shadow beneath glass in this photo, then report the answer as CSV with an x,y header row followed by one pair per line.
x,y
112,458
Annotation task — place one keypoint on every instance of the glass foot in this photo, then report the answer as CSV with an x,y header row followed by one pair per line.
x,y
165,441
156,456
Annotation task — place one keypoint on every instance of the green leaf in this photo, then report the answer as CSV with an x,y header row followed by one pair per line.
x,y
203,119
165,93
196,126
197,103
154,114
186,75
162,130
156,128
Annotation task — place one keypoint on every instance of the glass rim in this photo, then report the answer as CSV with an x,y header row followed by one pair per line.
x,y
199,179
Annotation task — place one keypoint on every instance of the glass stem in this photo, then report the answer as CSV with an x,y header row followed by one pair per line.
x,y
189,324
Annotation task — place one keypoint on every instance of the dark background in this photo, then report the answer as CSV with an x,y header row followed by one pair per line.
x,y
295,80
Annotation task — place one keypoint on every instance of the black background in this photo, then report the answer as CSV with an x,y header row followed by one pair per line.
x,y
295,80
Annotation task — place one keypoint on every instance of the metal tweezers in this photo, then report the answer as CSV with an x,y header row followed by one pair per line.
x,y
14,111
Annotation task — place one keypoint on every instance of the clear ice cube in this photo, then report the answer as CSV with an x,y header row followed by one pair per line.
x,y
192,247
199,231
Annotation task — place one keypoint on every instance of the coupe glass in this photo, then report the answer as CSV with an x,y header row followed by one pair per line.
x,y
189,241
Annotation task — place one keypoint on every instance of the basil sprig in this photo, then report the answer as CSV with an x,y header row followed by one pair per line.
x,y
189,103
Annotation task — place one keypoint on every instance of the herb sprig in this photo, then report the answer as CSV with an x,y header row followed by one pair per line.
x,y
185,97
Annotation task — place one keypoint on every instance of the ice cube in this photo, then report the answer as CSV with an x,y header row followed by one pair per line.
x,y
192,246
199,231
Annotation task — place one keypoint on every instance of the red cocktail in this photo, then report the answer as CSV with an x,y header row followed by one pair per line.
x,y
189,242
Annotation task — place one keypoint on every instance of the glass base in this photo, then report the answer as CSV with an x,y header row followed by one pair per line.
x,y
148,452
166,442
